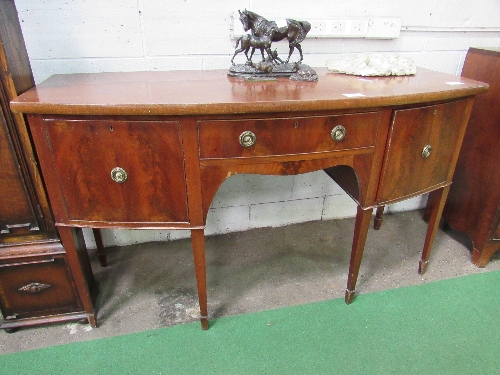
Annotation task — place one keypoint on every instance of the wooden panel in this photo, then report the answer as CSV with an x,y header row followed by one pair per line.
x,y
36,286
17,78
405,171
16,210
24,211
85,153
282,136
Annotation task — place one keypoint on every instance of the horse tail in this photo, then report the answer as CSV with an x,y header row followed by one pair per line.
x,y
306,26
302,28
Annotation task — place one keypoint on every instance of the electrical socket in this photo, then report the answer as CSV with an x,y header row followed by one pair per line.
x,y
358,27
318,27
383,28
338,27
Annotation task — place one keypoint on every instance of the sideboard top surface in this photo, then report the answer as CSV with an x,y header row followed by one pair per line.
x,y
213,92
485,51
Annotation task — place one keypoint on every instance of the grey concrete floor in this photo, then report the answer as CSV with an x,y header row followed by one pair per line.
x,y
152,285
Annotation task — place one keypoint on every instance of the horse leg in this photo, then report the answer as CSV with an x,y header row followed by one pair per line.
x,y
235,53
251,54
300,51
289,54
262,52
246,54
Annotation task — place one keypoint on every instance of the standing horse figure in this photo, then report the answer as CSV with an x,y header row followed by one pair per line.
x,y
294,31
248,41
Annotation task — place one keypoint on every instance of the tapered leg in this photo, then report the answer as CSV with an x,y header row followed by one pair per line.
x,y
100,247
432,201
377,222
198,244
363,219
434,210
77,266
481,257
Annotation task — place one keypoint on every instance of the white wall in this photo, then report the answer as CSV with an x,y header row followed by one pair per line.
x,y
64,36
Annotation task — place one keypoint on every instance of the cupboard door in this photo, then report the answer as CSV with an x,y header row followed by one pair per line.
x,y
119,171
420,150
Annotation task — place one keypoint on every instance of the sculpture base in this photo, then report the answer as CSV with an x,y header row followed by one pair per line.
x,y
265,71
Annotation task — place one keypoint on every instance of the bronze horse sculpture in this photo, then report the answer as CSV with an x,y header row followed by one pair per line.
x,y
294,31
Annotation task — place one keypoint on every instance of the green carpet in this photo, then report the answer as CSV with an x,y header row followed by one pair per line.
x,y
445,327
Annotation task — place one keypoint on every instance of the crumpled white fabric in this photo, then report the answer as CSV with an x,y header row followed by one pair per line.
x,y
381,64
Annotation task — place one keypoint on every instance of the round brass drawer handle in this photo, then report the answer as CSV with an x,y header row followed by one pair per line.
x,y
338,133
119,175
426,152
247,139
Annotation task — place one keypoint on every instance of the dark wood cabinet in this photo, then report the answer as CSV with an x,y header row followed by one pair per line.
x,y
473,205
36,281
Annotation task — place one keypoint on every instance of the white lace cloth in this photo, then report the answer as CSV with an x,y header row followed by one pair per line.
x,y
386,64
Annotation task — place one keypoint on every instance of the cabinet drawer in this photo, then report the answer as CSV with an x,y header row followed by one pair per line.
x,y
286,136
420,150
36,287
120,171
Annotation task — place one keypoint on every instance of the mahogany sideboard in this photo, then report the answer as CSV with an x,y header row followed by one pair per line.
x,y
473,205
36,283
150,149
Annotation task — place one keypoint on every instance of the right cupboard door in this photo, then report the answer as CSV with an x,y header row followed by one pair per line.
x,y
420,150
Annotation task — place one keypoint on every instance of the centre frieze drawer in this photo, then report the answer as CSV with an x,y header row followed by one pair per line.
x,y
119,171
286,136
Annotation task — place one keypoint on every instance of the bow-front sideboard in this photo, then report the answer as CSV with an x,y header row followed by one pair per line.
x,y
149,150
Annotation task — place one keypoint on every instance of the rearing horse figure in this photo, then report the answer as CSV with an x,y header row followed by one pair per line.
x,y
294,31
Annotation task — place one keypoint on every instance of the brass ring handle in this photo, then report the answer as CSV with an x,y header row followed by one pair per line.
x,y
426,152
119,175
338,133
247,138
